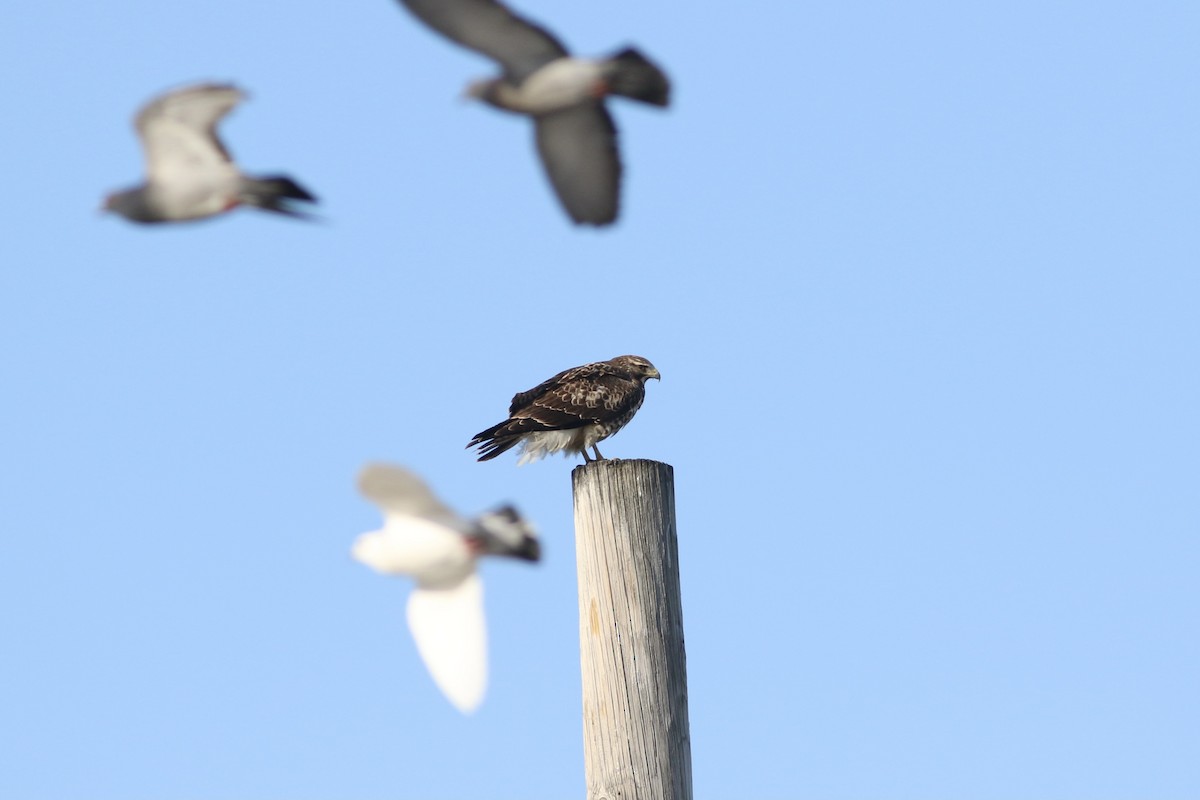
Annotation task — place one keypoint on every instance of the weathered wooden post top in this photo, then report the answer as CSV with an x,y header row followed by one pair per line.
x,y
635,716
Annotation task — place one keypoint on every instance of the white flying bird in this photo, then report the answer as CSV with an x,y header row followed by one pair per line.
x,y
564,95
424,539
189,173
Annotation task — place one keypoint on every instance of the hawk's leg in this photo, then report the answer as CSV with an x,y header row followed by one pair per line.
x,y
586,459
598,456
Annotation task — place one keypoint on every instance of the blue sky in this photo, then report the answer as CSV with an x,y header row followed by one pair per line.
x,y
921,280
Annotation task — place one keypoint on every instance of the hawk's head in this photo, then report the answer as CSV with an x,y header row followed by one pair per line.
x,y
640,367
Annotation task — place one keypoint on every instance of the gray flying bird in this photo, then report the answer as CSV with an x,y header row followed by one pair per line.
x,y
576,137
424,539
189,173
574,410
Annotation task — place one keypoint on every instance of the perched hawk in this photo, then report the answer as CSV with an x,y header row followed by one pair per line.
x,y
572,411
189,173
576,137
424,539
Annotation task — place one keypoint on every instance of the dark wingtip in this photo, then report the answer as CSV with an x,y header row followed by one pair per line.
x,y
283,186
275,193
504,525
639,78
287,210
530,550
601,222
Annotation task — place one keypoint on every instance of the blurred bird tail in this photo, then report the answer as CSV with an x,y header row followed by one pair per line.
x,y
633,75
504,532
273,193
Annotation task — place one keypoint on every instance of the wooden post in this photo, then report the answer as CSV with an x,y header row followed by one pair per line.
x,y
635,716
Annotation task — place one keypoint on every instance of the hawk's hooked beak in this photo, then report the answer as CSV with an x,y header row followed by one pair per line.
x,y
654,374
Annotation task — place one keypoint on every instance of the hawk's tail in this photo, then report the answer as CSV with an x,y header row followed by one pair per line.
x,y
634,76
274,193
492,443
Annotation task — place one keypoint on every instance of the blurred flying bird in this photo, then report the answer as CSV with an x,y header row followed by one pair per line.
x,y
424,539
189,173
564,95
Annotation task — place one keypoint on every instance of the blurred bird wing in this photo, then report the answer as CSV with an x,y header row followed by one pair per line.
x,y
428,551
399,491
178,133
578,146
451,635
488,27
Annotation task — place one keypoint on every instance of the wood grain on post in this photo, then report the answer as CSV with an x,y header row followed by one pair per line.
x,y
635,717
